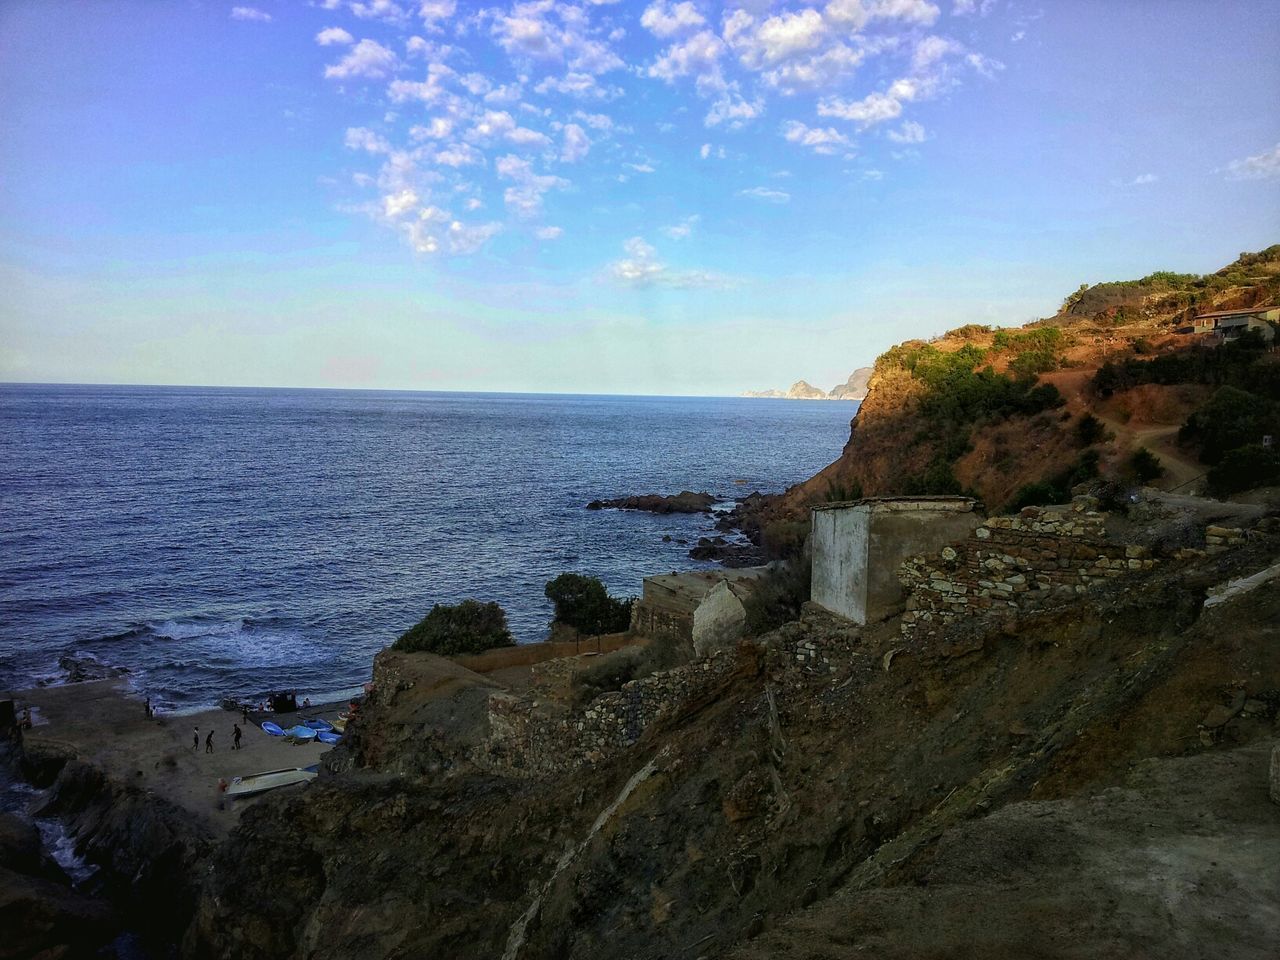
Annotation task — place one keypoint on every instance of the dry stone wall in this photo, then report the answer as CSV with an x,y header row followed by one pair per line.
x,y
529,737
1015,564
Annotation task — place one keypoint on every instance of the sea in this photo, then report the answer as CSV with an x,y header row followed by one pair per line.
x,y
224,542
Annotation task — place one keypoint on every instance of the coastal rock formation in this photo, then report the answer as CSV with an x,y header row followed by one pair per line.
x,y
855,388
684,502
816,796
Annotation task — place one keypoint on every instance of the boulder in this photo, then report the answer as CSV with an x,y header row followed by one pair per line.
x,y
684,502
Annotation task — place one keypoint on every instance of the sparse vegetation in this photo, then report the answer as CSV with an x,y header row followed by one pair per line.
x,y
583,603
1145,465
1055,488
467,627
1242,363
840,492
1244,468
777,597
1230,419
1090,430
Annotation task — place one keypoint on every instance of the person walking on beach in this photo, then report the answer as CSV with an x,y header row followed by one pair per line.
x,y
146,708
208,743
235,736
195,741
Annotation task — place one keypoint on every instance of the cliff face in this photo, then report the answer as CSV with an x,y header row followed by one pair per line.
x,y
991,412
796,809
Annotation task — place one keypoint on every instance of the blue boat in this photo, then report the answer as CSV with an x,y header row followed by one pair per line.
x,y
300,733
272,729
319,725
328,736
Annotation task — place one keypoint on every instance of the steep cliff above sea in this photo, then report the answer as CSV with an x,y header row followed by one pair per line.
x,y
1120,385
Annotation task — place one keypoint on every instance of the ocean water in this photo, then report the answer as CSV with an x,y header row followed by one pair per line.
x,y
220,542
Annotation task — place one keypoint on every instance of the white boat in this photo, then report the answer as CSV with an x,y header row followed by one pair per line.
x,y
261,782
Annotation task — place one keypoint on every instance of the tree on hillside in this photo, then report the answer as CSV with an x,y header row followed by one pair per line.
x,y
583,603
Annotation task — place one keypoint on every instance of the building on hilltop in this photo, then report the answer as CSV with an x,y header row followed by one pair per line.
x,y
857,546
1231,324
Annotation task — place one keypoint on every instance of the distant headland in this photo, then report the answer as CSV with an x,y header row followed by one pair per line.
x,y
855,388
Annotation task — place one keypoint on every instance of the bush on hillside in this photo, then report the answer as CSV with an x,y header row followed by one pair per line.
x,y
583,603
1145,465
1242,363
776,598
467,627
1245,468
1055,488
1231,418
1089,430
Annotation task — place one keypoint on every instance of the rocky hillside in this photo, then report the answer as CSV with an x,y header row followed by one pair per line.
x,y
1039,791
1018,416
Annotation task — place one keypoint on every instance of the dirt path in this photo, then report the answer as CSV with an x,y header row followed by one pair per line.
x,y
1160,439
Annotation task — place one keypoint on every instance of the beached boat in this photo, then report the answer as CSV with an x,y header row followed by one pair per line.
x,y
318,725
328,736
261,782
300,733
340,725
273,729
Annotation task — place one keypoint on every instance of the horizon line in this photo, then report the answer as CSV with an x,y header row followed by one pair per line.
x,y
495,393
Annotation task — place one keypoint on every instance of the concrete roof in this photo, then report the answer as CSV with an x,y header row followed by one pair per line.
x,y
1248,312
952,504
687,589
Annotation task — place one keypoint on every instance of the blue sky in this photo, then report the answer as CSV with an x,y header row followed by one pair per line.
x,y
585,196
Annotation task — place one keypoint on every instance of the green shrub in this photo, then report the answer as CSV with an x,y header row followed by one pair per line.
x,y
1244,468
467,627
583,603
1145,465
1055,488
1090,430
776,598
1231,418
842,492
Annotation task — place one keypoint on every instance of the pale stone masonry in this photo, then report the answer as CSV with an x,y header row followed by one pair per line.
x,y
857,546
1014,564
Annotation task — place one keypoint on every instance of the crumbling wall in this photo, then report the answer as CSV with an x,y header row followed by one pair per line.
x,y
1021,563
532,738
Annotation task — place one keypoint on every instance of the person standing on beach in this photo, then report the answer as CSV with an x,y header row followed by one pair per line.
x,y
208,743
235,736
146,708
195,742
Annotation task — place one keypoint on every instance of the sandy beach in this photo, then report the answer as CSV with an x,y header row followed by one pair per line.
x,y
104,722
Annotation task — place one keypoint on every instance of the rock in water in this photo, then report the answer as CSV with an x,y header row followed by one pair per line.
x,y
684,502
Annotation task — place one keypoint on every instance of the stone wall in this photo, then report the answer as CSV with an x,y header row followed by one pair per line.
x,y
1014,564
529,737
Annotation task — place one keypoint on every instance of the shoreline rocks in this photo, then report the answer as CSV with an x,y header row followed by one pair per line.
x,y
684,502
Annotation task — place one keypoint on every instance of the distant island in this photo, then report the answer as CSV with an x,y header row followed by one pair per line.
x,y
855,388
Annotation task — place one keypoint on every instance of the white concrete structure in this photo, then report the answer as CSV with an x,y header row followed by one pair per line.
x,y
857,546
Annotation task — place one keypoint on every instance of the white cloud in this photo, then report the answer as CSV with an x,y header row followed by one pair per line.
x,y
596,121
458,155
682,230
430,90
525,33
872,109
437,129
707,151
909,132
1144,178
433,11
465,238
766,194
494,125
931,49
777,38
594,57
573,85
250,14
330,36
474,203
386,10
505,93
368,58
1263,166
969,8
698,56
666,20
730,108
525,198
820,140
395,205
362,138
576,143
816,72
911,11
641,268
641,167
549,233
